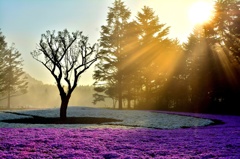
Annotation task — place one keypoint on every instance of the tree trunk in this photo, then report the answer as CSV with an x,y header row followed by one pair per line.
x,y
129,103
63,108
120,99
120,102
129,99
9,99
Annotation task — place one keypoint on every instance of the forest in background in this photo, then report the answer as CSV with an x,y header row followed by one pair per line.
x,y
141,66
40,95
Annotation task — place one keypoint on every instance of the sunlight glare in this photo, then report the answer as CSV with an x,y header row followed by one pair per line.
x,y
200,12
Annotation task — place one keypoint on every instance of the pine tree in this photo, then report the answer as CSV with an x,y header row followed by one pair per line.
x,y
153,46
12,80
3,46
224,28
109,72
200,66
223,33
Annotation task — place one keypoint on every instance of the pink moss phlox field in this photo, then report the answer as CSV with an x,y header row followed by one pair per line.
x,y
217,141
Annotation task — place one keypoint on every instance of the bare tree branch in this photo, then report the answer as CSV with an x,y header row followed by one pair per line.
x,y
65,54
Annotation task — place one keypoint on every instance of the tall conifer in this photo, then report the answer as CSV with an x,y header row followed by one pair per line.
x,y
12,80
109,72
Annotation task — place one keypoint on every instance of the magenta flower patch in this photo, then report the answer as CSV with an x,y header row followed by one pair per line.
x,y
214,141
205,142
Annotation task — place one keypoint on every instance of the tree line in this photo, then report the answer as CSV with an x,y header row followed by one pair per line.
x,y
141,67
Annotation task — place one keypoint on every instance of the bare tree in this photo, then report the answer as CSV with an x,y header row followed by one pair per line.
x,y
66,56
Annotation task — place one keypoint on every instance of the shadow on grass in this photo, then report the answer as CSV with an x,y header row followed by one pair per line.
x,y
33,119
69,120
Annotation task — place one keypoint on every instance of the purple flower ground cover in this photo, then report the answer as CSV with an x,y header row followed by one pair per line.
x,y
215,141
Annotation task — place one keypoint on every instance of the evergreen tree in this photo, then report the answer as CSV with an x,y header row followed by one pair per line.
x,y
109,72
200,67
12,80
223,33
3,48
153,46
14,75
224,28
172,91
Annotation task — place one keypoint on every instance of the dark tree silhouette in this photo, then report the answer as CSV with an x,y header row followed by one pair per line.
x,y
224,28
201,70
222,32
66,56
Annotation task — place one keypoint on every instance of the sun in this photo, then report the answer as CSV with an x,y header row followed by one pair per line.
x,y
200,12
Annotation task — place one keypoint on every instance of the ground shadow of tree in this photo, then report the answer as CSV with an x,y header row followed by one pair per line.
x,y
33,119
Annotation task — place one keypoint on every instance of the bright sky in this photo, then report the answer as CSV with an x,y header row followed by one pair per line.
x,y
23,21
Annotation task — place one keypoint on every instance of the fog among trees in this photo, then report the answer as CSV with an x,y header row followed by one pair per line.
x,y
41,95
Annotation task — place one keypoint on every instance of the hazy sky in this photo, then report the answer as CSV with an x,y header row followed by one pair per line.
x,y
23,21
